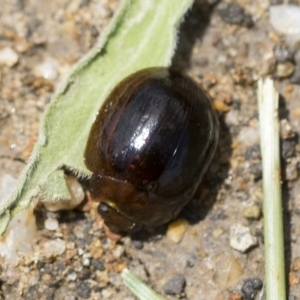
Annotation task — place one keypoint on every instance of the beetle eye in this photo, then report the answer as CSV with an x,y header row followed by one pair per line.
x,y
103,209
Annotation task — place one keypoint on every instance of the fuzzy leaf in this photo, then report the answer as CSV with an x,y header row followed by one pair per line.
x,y
143,33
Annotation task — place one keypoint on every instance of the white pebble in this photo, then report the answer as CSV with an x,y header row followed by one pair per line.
x,y
241,238
72,276
51,224
8,57
19,235
86,262
76,194
118,251
232,117
86,255
249,136
7,185
47,69
54,248
285,18
107,293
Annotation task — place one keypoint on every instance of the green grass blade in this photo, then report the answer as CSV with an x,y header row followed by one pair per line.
x,y
273,221
142,34
138,288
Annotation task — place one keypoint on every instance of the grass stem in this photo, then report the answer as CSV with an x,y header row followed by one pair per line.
x,y
138,288
273,220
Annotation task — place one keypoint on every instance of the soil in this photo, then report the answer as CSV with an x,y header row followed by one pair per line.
x,y
227,47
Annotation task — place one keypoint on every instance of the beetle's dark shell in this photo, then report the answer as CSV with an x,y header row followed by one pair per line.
x,y
148,148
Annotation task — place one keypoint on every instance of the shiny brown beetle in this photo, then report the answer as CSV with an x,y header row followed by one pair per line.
x,y
148,148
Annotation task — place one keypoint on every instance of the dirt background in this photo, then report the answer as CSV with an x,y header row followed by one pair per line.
x,y
227,49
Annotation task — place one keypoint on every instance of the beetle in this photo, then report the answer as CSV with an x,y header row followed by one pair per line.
x,y
148,148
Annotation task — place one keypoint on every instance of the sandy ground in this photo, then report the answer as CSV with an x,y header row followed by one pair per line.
x,y
227,59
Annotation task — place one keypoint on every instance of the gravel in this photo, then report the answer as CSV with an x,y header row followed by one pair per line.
x,y
233,13
221,51
241,238
8,57
251,287
282,53
175,285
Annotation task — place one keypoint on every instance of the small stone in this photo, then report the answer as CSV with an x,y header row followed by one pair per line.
x,y
107,293
248,136
138,244
282,54
235,296
217,233
291,170
227,270
294,279
285,69
76,193
98,265
32,292
190,263
292,297
296,264
83,289
95,249
286,130
54,248
232,118
241,238
118,251
84,274
47,69
72,276
253,153
177,229
175,285
285,19
102,278
8,57
86,262
51,224
70,246
256,170
288,148
252,212
251,287
220,106
46,277
22,46
235,14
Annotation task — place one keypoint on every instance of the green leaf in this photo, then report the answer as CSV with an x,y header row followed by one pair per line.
x,y
143,33
139,288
